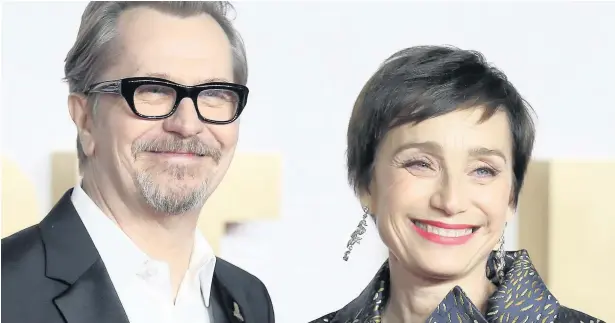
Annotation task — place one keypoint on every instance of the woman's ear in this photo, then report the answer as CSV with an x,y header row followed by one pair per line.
x,y
365,198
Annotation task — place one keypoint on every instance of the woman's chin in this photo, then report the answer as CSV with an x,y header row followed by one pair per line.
x,y
445,272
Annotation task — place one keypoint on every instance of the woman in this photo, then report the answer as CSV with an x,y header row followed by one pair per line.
x,y
438,145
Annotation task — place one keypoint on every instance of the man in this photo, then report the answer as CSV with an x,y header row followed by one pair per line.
x,y
156,89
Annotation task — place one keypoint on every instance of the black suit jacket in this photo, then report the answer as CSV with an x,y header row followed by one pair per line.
x,y
52,273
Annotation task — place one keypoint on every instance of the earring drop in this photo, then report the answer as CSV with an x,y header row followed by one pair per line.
x,y
355,237
500,255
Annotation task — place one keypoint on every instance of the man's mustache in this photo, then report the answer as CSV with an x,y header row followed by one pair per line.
x,y
173,145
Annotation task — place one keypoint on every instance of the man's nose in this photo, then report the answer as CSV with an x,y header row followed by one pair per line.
x,y
185,121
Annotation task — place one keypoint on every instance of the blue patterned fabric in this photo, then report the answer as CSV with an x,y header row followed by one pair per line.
x,y
521,298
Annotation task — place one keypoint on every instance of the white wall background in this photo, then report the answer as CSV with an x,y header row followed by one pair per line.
x,y
308,61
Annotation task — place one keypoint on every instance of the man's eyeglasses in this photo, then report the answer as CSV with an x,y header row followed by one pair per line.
x,y
155,98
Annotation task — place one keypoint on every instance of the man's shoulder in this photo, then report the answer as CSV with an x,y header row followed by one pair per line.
x,y
23,270
569,315
23,259
22,247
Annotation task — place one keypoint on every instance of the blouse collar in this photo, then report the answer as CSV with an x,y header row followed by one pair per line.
x,y
522,297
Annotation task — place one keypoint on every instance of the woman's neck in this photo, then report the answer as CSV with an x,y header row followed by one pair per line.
x,y
413,298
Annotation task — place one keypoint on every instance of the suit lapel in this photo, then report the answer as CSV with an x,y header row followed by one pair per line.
x,y
91,298
72,258
220,315
226,307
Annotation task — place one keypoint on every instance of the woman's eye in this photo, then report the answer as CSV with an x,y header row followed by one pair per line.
x,y
485,172
417,164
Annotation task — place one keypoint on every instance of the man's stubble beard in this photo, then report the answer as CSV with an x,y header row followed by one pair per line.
x,y
170,195
175,197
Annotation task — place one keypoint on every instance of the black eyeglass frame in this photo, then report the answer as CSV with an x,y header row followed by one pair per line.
x,y
126,87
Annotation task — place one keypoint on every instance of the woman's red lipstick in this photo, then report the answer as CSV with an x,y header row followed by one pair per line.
x,y
440,232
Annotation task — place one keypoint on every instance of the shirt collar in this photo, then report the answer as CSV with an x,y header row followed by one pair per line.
x,y
522,297
203,261
123,258
118,252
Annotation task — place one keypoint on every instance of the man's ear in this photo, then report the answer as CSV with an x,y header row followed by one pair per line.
x,y
81,114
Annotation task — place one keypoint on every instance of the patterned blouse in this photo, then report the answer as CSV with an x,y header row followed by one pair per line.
x,y
521,298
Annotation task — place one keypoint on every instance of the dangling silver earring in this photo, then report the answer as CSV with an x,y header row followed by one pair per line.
x,y
355,237
500,261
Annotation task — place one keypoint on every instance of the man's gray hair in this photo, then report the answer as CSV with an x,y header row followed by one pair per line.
x,y
93,51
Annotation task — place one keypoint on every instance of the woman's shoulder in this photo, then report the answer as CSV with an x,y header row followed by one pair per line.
x,y
356,310
367,306
569,315
565,315
325,319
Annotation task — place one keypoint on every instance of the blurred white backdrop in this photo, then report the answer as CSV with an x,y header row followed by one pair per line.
x,y
307,62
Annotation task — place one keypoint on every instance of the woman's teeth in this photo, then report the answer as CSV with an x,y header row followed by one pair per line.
x,y
451,233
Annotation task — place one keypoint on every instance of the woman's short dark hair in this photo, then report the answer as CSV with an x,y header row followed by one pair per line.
x,y
423,82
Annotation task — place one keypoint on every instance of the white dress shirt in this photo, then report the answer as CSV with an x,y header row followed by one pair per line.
x,y
142,283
